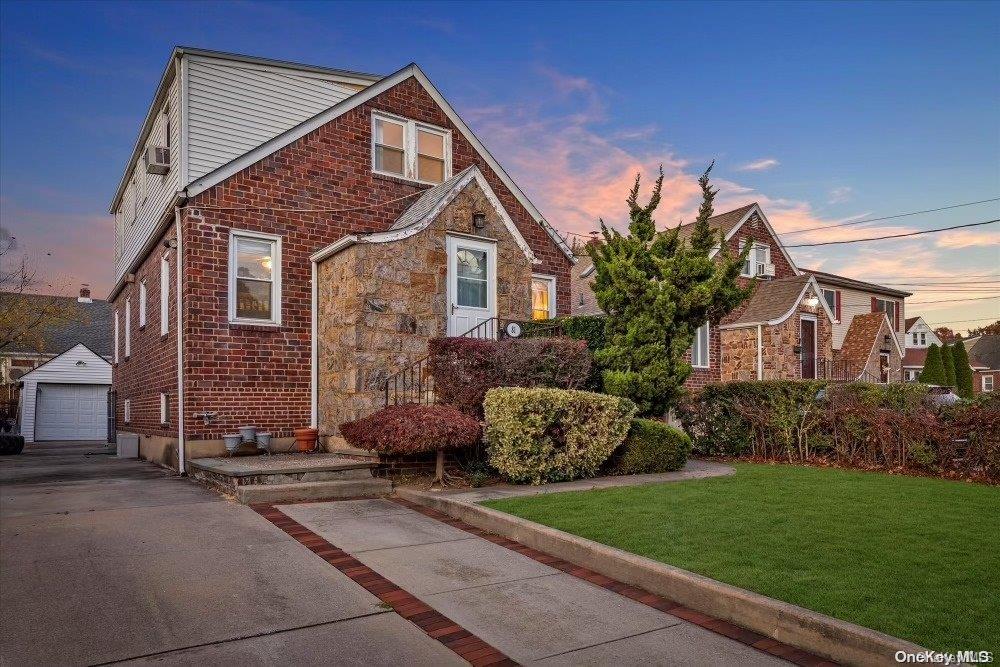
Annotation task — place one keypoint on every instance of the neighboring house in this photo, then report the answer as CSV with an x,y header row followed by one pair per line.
x,y
984,357
288,236
871,343
64,386
783,331
919,336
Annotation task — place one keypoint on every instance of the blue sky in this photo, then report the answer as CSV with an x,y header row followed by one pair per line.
x,y
821,112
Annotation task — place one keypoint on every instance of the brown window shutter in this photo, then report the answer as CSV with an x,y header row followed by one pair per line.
x,y
874,305
836,300
897,315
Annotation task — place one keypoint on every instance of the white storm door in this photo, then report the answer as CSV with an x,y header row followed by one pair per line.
x,y
472,284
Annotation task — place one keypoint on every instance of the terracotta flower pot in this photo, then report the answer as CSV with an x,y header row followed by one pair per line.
x,y
305,439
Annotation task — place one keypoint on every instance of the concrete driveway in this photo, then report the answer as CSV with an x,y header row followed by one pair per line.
x,y
103,560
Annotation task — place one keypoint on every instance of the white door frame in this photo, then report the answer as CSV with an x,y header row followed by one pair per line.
x,y
815,357
490,247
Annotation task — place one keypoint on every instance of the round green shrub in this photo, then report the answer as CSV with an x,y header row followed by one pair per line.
x,y
552,435
651,446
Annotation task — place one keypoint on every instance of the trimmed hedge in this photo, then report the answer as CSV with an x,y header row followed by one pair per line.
x,y
464,369
651,446
870,426
413,429
552,435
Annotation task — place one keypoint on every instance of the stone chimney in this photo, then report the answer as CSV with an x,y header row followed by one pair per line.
x,y
84,295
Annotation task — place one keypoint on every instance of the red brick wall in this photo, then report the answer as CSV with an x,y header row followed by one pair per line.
x,y
151,367
261,375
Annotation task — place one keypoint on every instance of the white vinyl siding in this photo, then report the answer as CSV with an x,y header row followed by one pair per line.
x,y
78,365
159,189
700,348
235,107
856,302
164,295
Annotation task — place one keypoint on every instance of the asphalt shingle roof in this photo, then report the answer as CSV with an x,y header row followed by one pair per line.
x,y
91,326
985,351
724,221
772,299
861,337
824,278
426,202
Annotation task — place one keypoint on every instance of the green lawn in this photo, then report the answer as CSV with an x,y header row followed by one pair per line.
x,y
912,557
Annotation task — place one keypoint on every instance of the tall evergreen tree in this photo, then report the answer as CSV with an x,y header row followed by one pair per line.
x,y
949,365
963,370
657,289
933,372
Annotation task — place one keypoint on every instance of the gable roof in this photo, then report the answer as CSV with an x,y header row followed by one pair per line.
x,y
724,222
915,357
910,321
774,301
862,337
99,357
825,278
423,212
984,352
412,70
91,325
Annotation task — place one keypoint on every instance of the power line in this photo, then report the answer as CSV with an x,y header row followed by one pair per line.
x,y
889,217
980,319
895,236
952,283
968,298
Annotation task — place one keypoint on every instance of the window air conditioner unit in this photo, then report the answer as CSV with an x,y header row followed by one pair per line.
x,y
766,270
157,159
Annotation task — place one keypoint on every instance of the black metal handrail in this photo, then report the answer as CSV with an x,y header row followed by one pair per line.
x,y
501,328
842,370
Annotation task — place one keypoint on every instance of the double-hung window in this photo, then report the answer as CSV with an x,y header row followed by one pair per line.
x,y
128,327
254,278
914,337
411,150
759,257
164,295
142,304
987,383
543,297
117,336
699,350
887,307
923,338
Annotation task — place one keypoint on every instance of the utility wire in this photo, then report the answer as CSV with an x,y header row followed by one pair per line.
x,y
895,236
980,319
968,298
889,217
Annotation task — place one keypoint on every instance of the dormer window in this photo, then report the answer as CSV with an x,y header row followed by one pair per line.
x,y
407,149
758,261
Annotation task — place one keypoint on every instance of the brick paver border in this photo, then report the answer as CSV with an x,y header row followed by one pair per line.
x,y
716,625
436,625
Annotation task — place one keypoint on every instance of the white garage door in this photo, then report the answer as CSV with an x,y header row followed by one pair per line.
x,y
71,412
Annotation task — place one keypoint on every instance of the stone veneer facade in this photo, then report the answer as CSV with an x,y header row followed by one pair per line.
x,y
780,362
380,303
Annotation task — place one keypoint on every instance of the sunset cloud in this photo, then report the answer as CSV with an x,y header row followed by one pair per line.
x,y
762,164
968,238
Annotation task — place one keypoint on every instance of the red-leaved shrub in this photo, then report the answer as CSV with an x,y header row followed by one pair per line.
x,y
464,369
413,429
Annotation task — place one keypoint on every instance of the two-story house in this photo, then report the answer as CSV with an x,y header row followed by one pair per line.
x,y
287,236
919,336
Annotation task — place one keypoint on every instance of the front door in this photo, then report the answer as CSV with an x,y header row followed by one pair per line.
x,y
472,282
807,343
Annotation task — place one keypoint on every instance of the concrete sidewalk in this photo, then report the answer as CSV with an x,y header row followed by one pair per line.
x,y
530,611
104,560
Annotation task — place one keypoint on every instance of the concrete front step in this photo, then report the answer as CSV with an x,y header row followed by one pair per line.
x,y
278,493
355,453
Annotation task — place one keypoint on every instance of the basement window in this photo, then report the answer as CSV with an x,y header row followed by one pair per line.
x,y
254,278
407,149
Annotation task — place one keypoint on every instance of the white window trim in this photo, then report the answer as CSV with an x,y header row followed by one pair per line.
x,y
410,128
551,281
752,258
275,320
128,327
164,295
708,347
128,410
985,378
142,303
117,335
163,408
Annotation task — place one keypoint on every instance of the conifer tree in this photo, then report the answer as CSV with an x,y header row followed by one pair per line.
x,y
949,365
656,289
963,370
933,372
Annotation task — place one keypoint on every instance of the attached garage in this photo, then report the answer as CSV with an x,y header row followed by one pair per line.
x,y
66,398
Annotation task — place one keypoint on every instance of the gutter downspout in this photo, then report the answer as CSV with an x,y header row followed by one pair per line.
x,y
314,354
760,352
181,467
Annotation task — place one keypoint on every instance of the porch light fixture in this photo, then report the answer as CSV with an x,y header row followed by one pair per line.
x,y
812,301
478,220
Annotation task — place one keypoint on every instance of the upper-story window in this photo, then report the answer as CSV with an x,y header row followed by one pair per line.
x,y
757,261
254,278
142,304
411,150
887,307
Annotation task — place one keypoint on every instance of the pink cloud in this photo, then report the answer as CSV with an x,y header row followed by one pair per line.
x,y
968,238
762,164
